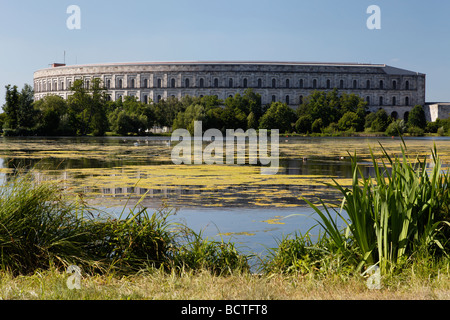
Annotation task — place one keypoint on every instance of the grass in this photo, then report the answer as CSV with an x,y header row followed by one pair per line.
x,y
418,283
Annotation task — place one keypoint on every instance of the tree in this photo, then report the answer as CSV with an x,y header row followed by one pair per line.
x,y
352,103
417,117
381,121
26,113
349,121
185,120
11,107
303,124
49,114
87,107
279,116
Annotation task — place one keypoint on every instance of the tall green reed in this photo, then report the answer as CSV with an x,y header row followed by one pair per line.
x,y
404,208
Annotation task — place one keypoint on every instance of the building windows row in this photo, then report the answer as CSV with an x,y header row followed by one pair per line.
x,y
119,84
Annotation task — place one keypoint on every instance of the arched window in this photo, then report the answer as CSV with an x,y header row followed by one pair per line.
x,y
394,85
394,101
407,85
368,100
288,84
133,82
202,83
145,99
341,84
407,101
158,98
245,83
302,84
87,84
230,83
394,115
406,116
159,83
355,84
381,101
145,83
328,84
274,98
314,83
287,100
108,84
381,84
172,83
186,83
259,83
274,83
62,86
300,100
216,83
368,84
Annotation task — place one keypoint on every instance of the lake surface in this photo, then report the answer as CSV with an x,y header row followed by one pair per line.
x,y
223,201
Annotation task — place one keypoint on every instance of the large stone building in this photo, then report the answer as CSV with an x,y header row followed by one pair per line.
x,y
396,90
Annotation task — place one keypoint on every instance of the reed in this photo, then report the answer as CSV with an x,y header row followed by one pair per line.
x,y
402,210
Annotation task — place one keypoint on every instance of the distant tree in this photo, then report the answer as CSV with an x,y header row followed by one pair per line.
x,y
352,103
185,120
26,114
317,125
417,117
11,107
381,121
166,110
279,116
349,121
252,122
87,107
50,111
303,124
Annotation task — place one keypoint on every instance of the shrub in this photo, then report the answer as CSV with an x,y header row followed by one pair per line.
x,y
416,131
396,128
303,124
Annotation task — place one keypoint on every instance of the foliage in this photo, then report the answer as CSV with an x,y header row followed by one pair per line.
x,y
380,121
417,117
349,120
42,228
403,210
396,128
279,116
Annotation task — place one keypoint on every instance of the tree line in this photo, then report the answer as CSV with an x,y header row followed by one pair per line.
x,y
89,111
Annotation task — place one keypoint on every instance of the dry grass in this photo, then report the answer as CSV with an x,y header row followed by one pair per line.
x,y
51,285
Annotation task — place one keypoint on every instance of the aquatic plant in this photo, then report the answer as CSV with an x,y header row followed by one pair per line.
x,y
402,210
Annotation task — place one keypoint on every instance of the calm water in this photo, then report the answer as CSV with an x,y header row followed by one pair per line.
x,y
234,202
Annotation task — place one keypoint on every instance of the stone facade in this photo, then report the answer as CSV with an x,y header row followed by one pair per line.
x,y
396,90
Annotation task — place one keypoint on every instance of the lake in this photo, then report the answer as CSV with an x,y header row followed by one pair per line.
x,y
223,201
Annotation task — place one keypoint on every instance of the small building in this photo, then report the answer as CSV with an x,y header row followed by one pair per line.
x,y
437,110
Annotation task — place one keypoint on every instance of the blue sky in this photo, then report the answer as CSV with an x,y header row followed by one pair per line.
x,y
414,35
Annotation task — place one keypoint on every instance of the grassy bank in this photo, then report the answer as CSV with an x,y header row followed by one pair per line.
x,y
421,282
398,221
